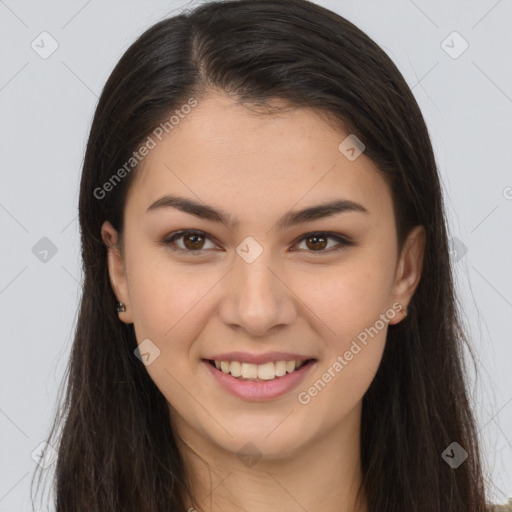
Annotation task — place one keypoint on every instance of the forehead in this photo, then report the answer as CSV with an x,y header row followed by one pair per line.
x,y
224,153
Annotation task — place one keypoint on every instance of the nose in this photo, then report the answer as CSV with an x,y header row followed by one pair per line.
x,y
257,298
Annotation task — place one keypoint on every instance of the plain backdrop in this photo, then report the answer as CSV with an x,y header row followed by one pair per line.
x,y
462,82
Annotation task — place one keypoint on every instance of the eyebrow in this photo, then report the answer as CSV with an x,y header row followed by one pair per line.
x,y
289,219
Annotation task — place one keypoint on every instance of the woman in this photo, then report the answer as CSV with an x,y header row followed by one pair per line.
x,y
268,316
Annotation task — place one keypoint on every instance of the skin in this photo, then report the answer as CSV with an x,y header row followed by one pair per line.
x,y
257,168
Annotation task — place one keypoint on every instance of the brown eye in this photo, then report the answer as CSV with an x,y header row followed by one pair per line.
x,y
318,242
192,241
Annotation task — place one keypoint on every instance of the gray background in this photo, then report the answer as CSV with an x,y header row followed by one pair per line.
x,y
46,110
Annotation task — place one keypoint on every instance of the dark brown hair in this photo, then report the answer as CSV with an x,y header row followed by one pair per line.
x,y
117,451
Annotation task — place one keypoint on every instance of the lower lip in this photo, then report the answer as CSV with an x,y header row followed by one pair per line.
x,y
257,391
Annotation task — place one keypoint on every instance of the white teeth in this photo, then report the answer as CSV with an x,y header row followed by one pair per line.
x,y
249,371
280,368
266,371
236,368
290,366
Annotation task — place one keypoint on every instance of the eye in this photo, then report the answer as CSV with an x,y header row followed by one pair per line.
x,y
320,242
194,242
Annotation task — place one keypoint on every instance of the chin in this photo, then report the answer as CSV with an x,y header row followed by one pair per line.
x,y
268,439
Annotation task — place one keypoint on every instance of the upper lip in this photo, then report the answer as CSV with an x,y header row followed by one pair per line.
x,y
246,357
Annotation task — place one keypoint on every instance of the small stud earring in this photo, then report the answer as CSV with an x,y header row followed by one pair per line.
x,y
121,307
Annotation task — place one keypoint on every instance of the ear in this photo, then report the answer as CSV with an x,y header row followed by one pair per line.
x,y
409,269
116,269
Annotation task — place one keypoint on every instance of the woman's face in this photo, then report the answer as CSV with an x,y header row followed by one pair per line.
x,y
264,283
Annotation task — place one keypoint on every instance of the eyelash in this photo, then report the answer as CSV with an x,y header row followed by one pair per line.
x,y
168,241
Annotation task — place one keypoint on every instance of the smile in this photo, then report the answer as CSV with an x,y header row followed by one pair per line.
x,y
258,372
257,382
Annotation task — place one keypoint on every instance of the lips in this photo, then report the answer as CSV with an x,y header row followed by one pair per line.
x,y
257,389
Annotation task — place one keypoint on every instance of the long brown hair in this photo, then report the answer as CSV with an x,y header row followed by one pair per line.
x,y
116,449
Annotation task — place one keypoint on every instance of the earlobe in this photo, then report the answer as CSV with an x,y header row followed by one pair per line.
x,y
410,268
116,269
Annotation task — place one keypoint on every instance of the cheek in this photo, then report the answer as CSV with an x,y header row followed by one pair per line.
x,y
348,298
164,294
352,311
166,301
350,305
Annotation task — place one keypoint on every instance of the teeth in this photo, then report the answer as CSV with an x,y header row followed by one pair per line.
x,y
266,371
235,368
280,368
249,371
